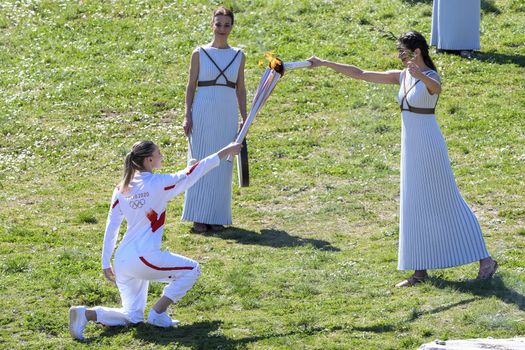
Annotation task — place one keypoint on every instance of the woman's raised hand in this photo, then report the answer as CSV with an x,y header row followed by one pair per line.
x,y
230,150
316,62
414,70
187,124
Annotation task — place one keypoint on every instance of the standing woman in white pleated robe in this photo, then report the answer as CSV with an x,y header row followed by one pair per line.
x,y
456,25
437,228
215,95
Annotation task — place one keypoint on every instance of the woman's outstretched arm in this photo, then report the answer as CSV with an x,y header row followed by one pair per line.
x,y
388,77
175,184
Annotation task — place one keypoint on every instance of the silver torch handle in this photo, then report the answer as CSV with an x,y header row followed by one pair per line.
x,y
296,65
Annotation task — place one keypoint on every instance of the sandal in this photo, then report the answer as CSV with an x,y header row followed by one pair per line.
x,y
199,228
411,281
488,271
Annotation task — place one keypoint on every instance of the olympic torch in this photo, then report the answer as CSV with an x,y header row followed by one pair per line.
x,y
272,74
275,70
296,65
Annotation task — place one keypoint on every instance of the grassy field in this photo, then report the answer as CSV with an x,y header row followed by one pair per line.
x,y
310,261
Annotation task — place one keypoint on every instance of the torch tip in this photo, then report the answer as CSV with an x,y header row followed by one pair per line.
x,y
275,63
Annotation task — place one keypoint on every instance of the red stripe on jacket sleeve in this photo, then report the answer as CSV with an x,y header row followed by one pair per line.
x,y
171,268
193,168
114,204
167,188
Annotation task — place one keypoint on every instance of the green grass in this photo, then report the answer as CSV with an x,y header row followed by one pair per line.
x,y
311,260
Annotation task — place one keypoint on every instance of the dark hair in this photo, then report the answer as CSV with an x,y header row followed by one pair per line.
x,y
223,11
135,161
412,40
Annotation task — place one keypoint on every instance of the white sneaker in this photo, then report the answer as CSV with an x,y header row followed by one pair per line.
x,y
161,320
77,321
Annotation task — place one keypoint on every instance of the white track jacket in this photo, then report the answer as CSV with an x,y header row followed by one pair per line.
x,y
144,207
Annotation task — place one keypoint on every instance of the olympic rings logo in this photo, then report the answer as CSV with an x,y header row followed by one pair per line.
x,y
137,203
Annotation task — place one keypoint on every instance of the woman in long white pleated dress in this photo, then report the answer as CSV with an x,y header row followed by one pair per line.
x,y
214,97
456,25
437,228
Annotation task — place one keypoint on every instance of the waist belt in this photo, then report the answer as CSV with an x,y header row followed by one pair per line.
x,y
214,83
419,110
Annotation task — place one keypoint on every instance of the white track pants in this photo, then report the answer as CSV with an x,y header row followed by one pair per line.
x,y
133,275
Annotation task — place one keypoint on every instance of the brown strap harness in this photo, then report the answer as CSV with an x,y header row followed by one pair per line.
x,y
410,108
229,84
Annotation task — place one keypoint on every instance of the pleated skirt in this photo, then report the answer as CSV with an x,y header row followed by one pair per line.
x,y
215,122
437,228
456,24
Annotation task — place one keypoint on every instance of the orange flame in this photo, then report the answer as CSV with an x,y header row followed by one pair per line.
x,y
275,62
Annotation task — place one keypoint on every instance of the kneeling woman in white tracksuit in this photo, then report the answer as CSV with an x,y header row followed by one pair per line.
x,y
141,198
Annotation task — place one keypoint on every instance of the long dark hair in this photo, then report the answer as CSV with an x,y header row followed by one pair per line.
x,y
135,161
412,40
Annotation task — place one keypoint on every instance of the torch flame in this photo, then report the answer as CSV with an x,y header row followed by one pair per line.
x,y
274,63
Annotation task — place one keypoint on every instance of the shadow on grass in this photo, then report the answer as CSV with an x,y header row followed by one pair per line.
x,y
494,287
208,335
417,314
271,238
500,58
492,57
413,2
488,6
199,335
